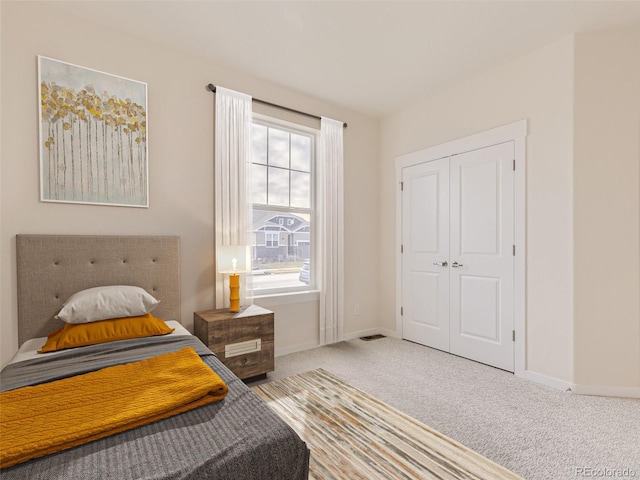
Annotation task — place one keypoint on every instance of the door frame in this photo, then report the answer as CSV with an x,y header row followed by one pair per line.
x,y
517,133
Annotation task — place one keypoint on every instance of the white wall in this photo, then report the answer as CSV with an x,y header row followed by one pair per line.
x,y
539,87
607,209
582,98
180,164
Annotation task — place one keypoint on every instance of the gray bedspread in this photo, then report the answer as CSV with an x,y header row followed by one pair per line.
x,y
88,359
237,438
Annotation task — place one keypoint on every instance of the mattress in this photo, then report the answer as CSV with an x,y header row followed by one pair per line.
x,y
236,438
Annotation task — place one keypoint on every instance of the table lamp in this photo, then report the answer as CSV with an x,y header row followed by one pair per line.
x,y
234,260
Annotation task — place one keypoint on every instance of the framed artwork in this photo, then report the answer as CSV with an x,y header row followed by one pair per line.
x,y
93,136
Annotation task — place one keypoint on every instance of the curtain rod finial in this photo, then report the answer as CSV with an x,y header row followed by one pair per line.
x,y
211,87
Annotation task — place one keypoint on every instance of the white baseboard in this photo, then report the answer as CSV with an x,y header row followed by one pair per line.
x,y
295,348
603,391
546,380
367,332
347,336
597,390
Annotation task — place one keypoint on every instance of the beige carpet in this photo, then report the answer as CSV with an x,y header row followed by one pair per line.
x,y
352,435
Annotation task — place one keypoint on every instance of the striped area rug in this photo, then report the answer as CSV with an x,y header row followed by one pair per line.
x,y
354,436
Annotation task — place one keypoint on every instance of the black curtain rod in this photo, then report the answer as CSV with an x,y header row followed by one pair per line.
x,y
212,88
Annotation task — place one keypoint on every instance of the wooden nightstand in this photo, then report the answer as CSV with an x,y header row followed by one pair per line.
x,y
243,341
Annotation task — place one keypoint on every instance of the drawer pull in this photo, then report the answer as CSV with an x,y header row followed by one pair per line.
x,y
242,348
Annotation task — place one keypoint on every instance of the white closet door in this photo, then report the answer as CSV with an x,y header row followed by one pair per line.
x,y
481,257
425,237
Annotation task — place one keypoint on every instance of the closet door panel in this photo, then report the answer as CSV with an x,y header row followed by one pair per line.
x,y
482,262
425,233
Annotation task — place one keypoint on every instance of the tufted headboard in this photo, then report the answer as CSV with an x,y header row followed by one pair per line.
x,y
51,268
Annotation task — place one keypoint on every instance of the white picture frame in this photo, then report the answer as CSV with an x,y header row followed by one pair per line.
x,y
93,136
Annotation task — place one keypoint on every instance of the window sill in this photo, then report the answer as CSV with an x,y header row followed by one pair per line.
x,y
287,298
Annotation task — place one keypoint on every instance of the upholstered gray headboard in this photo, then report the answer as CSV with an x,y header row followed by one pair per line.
x,y
51,268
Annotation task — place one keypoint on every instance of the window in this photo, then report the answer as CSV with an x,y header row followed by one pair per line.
x,y
282,197
272,240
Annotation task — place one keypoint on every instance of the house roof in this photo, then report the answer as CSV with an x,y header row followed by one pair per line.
x,y
263,219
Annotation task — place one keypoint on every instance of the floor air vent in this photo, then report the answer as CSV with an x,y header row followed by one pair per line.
x,y
371,337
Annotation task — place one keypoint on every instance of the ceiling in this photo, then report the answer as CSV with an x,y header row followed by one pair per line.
x,y
373,57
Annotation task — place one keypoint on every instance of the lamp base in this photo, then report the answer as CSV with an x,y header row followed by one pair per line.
x,y
234,292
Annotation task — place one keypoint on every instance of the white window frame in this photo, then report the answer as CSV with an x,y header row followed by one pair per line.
x,y
274,296
269,239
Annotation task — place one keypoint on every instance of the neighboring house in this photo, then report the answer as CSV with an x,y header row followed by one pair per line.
x,y
280,237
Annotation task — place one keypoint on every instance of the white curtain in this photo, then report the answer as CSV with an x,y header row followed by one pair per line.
x,y
331,214
232,167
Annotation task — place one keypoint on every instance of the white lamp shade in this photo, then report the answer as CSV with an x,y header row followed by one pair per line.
x,y
233,258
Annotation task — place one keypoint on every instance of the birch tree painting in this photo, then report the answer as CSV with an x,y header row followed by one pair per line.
x,y
93,136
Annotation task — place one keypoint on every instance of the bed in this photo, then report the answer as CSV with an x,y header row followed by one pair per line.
x,y
238,437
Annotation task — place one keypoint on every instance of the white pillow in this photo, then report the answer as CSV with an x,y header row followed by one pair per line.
x,y
102,303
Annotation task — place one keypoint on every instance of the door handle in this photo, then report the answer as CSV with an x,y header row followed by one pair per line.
x,y
456,265
441,264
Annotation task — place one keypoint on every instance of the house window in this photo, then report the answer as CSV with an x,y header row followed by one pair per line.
x,y
282,196
272,240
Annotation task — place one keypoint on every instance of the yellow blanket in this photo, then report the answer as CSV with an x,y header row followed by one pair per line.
x,y
51,417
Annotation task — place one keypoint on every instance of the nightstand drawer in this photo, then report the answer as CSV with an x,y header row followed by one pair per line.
x,y
243,341
251,364
242,348
235,330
